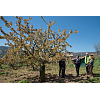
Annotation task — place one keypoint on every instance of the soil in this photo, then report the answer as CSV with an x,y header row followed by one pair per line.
x,y
10,75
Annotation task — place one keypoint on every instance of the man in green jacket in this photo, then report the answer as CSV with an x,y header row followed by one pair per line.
x,y
87,61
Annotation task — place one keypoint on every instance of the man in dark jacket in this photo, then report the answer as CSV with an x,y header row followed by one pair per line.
x,y
77,65
62,67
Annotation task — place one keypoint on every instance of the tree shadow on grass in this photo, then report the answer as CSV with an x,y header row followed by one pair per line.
x,y
96,75
49,78
49,69
53,78
34,79
72,78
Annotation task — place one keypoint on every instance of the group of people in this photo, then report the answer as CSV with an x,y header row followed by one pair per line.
x,y
89,60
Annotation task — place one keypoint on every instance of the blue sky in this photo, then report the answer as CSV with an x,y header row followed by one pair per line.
x,y
88,27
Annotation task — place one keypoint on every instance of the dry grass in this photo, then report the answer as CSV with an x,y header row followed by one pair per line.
x,y
27,75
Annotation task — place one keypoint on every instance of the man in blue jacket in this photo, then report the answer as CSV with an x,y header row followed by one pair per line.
x,y
77,65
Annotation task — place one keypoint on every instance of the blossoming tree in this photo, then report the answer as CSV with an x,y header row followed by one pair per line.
x,y
34,45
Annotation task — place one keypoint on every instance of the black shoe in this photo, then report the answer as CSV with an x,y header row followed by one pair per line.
x,y
63,76
76,75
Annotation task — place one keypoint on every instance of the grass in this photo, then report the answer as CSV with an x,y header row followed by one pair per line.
x,y
71,66
4,66
24,81
2,73
12,81
96,78
93,80
26,74
8,68
6,73
96,71
97,61
15,74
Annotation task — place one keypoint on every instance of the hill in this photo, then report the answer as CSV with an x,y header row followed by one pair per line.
x,y
3,52
81,54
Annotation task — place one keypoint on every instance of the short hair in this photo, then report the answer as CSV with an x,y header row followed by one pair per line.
x,y
91,54
78,56
92,57
86,52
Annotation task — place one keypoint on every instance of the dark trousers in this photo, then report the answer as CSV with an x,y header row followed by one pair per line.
x,y
91,73
63,71
87,69
59,70
77,70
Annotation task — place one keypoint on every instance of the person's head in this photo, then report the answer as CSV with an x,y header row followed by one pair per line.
x,y
77,57
92,57
62,59
91,54
87,54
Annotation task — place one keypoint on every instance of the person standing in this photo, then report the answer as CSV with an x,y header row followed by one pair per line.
x,y
77,65
91,66
87,61
62,67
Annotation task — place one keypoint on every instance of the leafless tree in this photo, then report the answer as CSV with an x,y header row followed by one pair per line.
x,y
97,47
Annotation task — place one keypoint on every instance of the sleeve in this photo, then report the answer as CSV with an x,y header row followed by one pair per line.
x,y
78,61
59,63
90,63
89,58
64,63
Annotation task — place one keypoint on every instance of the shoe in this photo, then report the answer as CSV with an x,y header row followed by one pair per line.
x,y
76,75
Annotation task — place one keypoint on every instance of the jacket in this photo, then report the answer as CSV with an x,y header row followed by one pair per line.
x,y
91,62
88,59
77,63
62,63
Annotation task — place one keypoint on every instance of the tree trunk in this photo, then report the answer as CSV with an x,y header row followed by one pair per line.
x,y
27,64
32,66
12,66
0,66
42,73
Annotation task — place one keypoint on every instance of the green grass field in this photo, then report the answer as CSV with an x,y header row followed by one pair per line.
x,y
26,74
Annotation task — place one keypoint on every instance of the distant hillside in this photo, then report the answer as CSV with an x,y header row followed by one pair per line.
x,y
3,48
81,54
